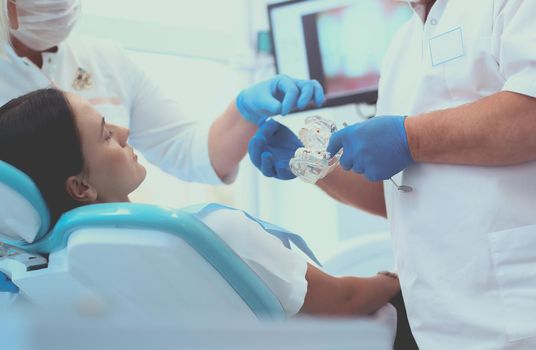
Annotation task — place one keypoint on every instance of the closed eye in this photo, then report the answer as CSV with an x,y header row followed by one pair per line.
x,y
109,135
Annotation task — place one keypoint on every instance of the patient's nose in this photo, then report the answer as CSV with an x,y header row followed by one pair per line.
x,y
123,136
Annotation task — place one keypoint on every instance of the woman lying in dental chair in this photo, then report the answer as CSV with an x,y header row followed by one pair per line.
x,y
76,158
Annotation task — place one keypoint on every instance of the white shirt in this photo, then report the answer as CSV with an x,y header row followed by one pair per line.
x,y
125,96
282,270
465,238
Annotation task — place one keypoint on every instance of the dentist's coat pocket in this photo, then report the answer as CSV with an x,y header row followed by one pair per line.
x,y
446,47
514,258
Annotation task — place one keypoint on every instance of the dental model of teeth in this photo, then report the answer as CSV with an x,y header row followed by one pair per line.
x,y
312,162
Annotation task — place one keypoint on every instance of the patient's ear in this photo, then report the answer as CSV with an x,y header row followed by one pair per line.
x,y
80,190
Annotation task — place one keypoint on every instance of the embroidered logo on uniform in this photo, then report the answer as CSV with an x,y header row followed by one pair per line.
x,y
82,80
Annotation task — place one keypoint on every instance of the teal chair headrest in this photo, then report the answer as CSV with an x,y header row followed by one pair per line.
x,y
24,216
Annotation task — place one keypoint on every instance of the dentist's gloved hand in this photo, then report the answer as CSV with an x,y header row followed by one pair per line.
x,y
271,149
279,95
6,285
377,148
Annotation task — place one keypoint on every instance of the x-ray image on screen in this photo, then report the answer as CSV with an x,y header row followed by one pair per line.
x,y
340,43
350,42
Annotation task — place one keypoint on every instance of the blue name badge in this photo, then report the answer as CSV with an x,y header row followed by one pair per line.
x,y
446,47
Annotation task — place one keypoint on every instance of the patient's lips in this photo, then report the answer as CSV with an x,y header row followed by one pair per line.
x,y
134,155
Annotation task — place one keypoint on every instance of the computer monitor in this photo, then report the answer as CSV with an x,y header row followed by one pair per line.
x,y
340,43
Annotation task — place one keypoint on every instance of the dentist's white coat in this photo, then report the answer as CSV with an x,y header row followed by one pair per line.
x,y
465,238
123,93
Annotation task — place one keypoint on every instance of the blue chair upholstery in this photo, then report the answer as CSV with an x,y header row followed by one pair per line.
x,y
180,223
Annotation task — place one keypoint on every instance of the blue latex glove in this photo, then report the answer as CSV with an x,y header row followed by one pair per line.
x,y
377,148
279,95
6,285
271,149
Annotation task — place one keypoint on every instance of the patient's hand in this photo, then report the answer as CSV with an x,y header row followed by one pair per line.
x,y
346,296
271,149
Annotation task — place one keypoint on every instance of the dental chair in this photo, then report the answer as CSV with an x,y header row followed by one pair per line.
x,y
125,259
114,276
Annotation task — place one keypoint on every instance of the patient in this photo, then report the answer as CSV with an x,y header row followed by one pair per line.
x,y
76,158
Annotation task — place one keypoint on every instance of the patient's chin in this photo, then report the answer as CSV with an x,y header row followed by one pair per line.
x,y
142,176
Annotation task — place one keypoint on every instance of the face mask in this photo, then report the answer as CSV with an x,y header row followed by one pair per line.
x,y
45,23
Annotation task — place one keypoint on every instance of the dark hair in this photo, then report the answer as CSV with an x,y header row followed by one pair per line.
x,y
38,135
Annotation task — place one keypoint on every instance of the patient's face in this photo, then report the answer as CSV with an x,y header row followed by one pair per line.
x,y
111,166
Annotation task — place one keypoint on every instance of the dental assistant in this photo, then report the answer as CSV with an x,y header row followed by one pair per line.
x,y
456,122
41,55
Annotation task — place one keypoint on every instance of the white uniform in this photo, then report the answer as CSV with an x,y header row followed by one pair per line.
x,y
125,96
465,238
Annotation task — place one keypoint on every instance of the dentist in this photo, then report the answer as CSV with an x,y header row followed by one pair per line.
x,y
42,55
456,122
